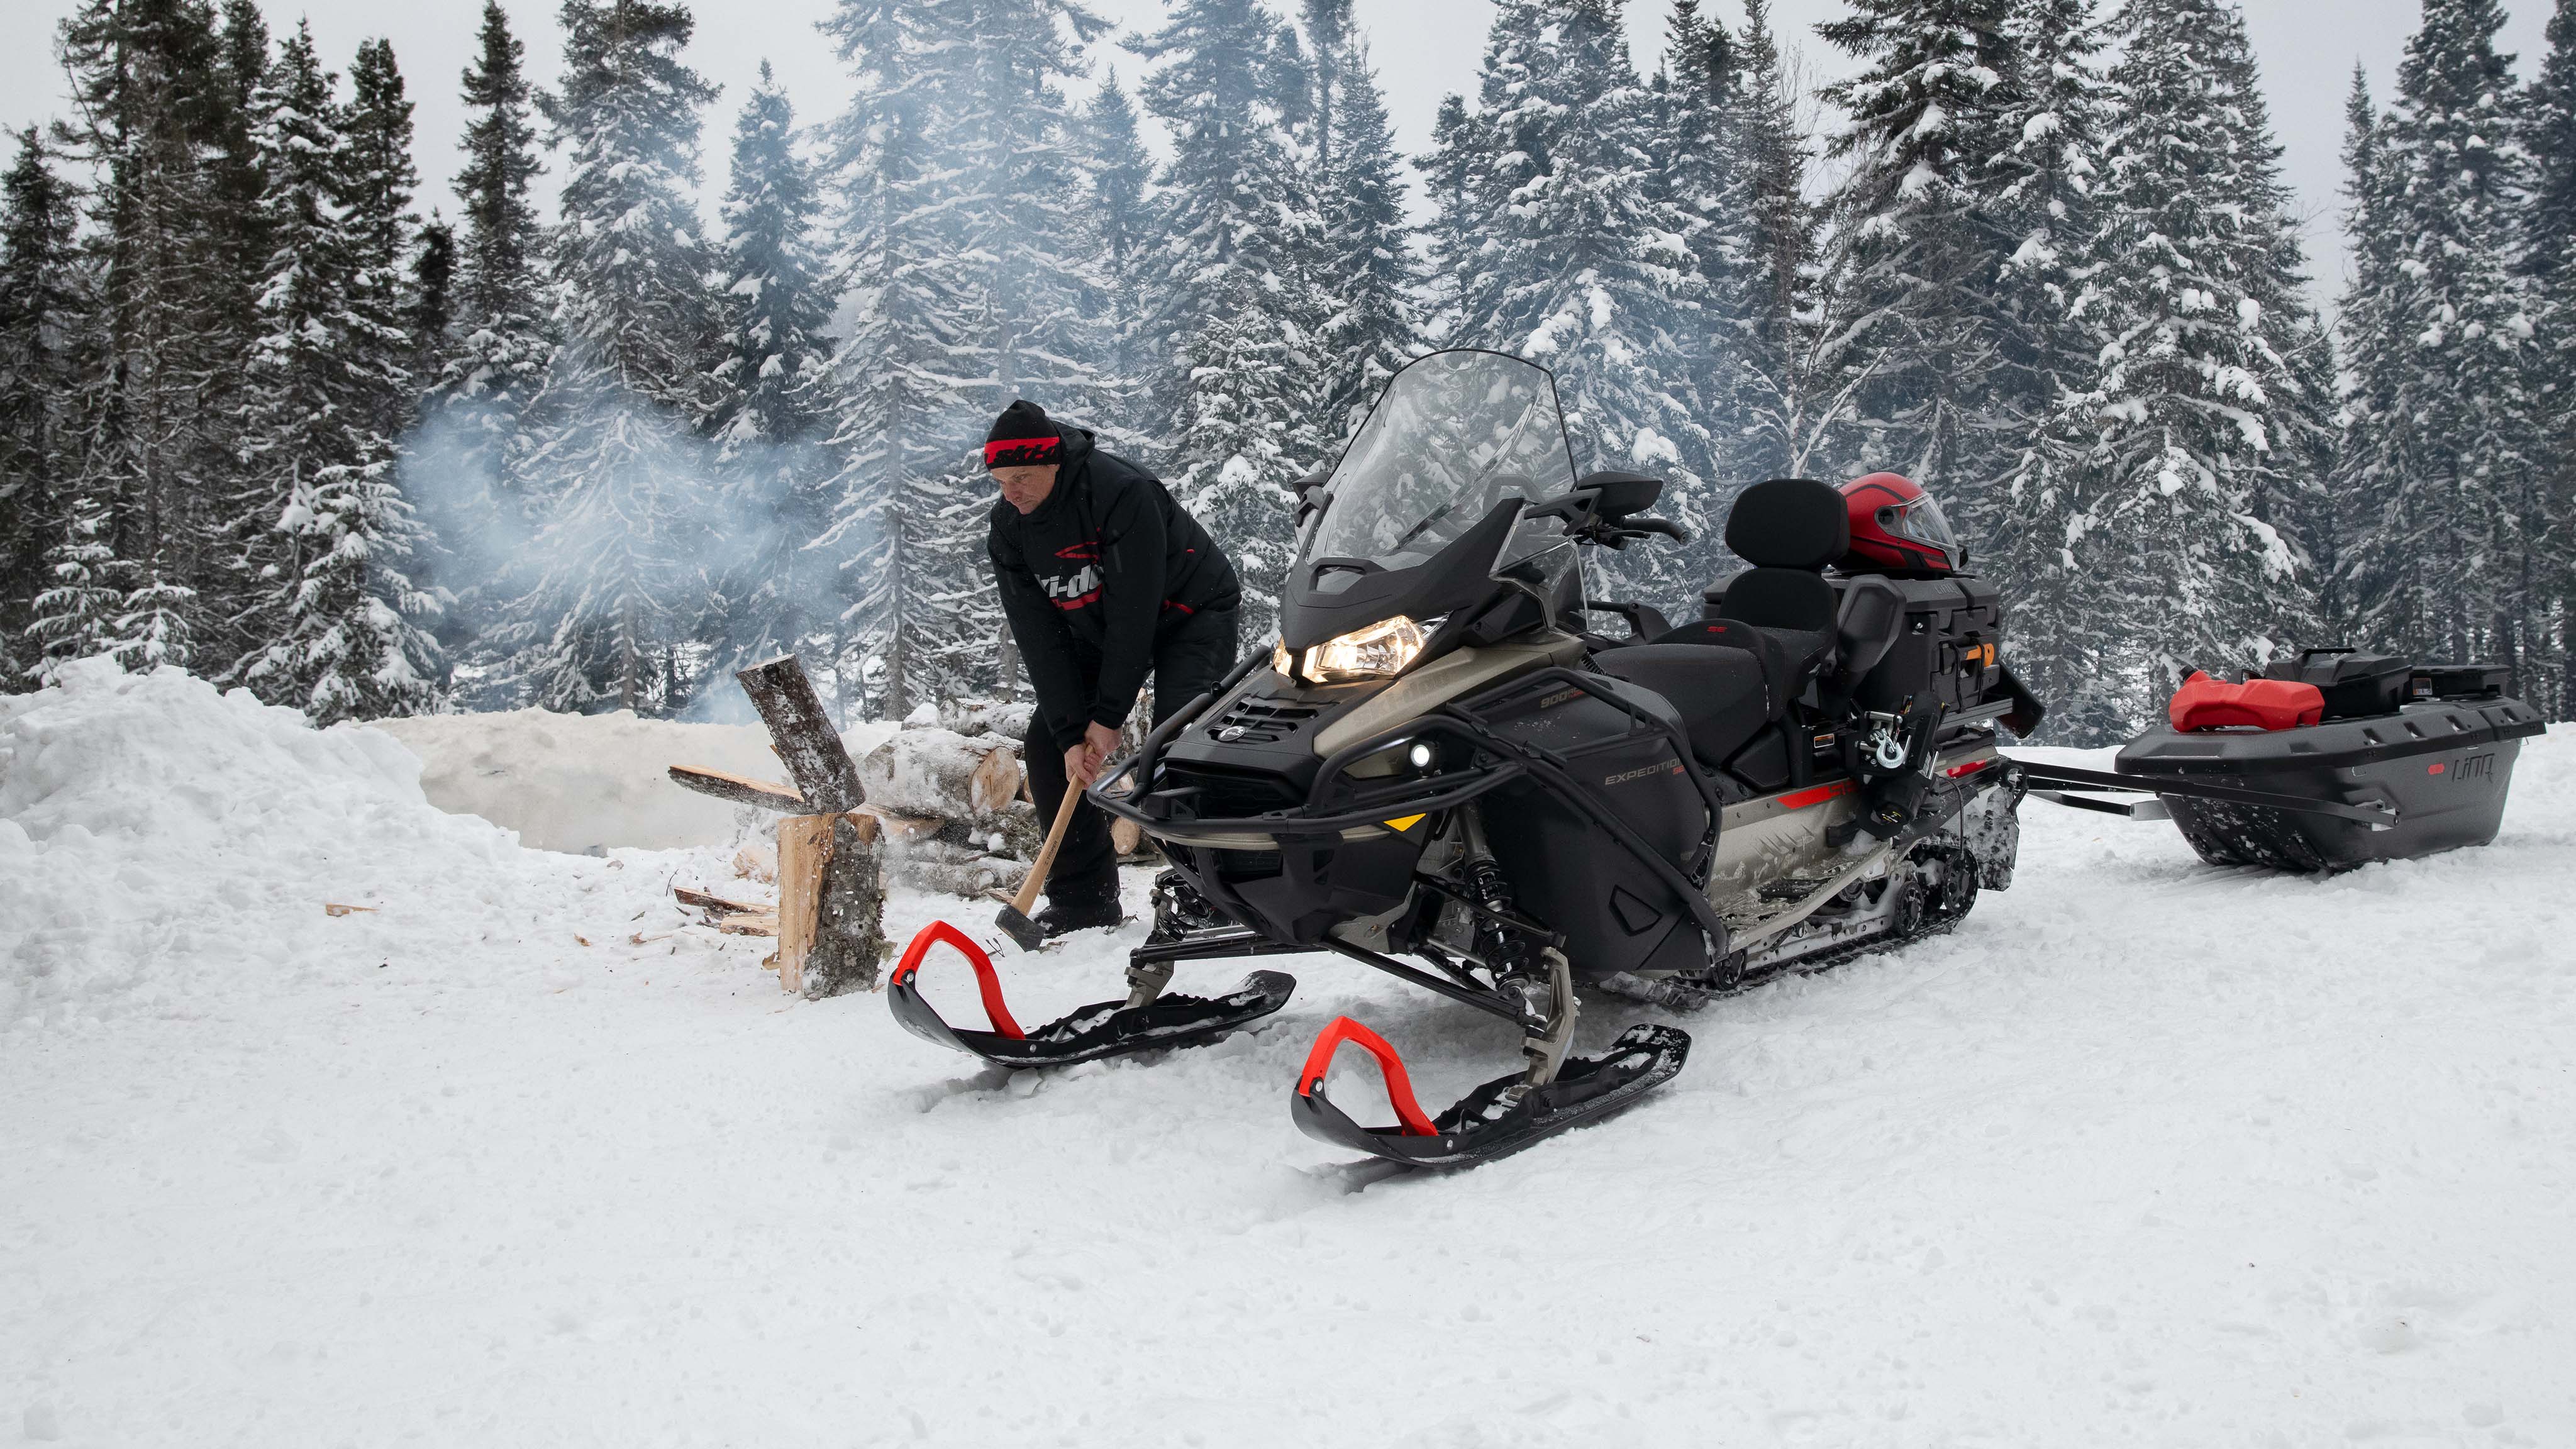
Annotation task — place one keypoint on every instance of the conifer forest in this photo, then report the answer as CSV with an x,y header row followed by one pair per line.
x,y
276,408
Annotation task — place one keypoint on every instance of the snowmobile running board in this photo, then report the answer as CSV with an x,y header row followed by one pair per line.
x,y
1102,1029
1492,1121
2378,817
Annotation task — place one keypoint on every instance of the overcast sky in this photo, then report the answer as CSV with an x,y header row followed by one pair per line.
x,y
1423,49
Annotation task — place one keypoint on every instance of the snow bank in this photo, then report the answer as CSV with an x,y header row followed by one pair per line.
x,y
581,783
162,843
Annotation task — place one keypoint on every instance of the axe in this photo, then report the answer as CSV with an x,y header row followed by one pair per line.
x,y
1014,917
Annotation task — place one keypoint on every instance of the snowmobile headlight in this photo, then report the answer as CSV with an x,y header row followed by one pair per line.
x,y
1379,651
1282,660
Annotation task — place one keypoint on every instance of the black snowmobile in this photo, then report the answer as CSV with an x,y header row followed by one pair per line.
x,y
1441,760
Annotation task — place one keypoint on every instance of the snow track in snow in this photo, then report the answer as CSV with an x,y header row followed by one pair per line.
x,y
2144,1152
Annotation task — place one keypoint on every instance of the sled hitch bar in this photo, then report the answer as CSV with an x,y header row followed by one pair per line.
x,y
2068,777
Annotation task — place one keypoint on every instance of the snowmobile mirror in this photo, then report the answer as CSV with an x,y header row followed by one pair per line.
x,y
1311,496
1616,495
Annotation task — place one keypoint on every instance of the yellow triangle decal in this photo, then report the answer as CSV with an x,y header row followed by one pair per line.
x,y
1403,822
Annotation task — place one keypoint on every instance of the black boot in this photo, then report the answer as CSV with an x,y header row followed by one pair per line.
x,y
1179,909
1080,914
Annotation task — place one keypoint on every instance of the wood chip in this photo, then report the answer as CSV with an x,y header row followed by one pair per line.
x,y
334,908
763,925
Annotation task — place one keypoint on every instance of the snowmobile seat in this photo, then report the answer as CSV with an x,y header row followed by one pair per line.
x,y
1789,529
1722,695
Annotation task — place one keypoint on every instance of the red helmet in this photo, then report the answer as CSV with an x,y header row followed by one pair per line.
x,y
1897,528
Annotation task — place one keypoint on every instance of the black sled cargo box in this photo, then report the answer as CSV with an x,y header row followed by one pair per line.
x,y
2443,766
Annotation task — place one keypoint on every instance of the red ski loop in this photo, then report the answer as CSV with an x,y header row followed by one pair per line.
x,y
987,983
1399,1087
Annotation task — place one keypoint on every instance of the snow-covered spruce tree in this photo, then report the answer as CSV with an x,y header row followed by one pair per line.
x,y
1703,178
238,175
330,625
1928,130
903,418
1233,305
1781,419
2442,437
967,246
154,455
1587,273
610,463
1121,213
1457,178
500,319
2204,420
2064,649
501,339
2549,252
1368,258
41,297
429,309
777,408
378,181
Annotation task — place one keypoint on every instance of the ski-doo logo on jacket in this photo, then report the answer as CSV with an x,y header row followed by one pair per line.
x,y
1078,591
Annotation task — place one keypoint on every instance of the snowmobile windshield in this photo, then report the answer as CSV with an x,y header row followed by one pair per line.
x,y
1454,434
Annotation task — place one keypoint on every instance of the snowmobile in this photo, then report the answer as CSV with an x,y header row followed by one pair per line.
x,y
1444,772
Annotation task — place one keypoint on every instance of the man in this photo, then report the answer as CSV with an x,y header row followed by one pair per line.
x,y
1103,578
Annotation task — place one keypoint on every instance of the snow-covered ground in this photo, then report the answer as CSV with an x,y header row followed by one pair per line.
x,y
2144,1153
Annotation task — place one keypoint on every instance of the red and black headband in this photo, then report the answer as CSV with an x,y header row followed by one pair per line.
x,y
1023,452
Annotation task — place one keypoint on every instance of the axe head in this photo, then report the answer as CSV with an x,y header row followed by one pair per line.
x,y
1016,924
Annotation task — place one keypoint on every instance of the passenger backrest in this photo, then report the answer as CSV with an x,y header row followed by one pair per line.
x,y
1789,529
1873,616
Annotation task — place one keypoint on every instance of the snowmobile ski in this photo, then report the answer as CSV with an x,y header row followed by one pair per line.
x,y
1102,1029
1495,1120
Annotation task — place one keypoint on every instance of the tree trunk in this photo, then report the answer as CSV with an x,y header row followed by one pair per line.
x,y
803,735
831,904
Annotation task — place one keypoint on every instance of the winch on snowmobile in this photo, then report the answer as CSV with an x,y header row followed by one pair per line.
x,y
1443,771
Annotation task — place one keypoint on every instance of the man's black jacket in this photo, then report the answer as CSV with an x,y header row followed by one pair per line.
x,y
1091,578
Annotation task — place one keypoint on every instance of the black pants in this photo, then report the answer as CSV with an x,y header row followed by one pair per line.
x,y
1190,658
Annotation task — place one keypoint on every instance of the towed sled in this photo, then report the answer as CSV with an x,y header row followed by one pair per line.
x,y
2328,761
1442,772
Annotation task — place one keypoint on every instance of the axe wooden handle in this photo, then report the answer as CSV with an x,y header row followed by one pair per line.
x,y
1036,883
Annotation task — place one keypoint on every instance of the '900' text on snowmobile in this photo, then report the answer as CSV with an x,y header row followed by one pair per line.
x,y
1441,771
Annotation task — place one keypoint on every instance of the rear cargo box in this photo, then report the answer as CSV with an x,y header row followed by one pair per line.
x,y
1950,647
2354,684
2444,766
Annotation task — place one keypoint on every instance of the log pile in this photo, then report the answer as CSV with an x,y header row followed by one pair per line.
x,y
943,805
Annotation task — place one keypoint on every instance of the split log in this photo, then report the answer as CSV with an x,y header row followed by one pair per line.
x,y
939,772
715,904
803,736
1126,836
748,925
831,903
740,789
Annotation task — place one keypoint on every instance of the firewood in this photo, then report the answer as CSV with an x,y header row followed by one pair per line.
x,y
831,903
899,827
717,905
802,735
740,789
748,925
937,772
1126,836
